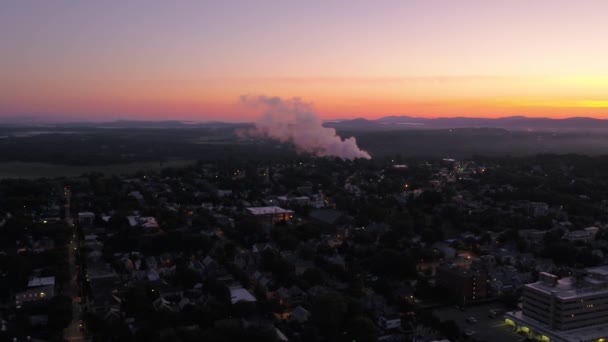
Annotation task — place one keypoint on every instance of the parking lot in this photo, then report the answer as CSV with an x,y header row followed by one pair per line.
x,y
485,328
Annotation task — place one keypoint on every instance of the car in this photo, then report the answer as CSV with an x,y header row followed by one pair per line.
x,y
492,313
472,320
469,332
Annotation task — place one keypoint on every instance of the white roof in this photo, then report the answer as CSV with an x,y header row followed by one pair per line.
x,y
594,282
280,335
238,293
146,222
268,210
45,281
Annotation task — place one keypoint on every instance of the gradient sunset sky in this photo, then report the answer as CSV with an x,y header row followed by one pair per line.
x,y
192,60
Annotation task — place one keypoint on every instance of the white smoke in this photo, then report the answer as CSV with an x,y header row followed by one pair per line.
x,y
294,121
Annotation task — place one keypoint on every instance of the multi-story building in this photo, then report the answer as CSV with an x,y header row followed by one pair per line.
x,y
567,309
464,283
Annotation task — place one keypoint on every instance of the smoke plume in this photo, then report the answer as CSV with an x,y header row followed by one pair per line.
x,y
294,121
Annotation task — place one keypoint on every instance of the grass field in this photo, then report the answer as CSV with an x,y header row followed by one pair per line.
x,y
44,170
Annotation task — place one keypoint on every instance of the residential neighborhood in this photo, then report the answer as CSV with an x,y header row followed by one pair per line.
x,y
304,250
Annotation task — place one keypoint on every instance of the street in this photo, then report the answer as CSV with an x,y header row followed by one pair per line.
x,y
483,327
73,332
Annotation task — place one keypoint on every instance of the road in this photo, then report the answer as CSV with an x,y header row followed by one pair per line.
x,y
73,331
486,328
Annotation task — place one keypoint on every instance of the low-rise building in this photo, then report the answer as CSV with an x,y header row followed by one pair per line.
x,y
86,218
240,294
38,289
272,214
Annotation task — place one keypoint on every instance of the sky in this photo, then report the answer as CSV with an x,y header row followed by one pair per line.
x,y
193,60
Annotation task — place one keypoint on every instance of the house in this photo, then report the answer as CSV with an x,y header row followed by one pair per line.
x,y
161,304
448,252
240,294
327,216
263,280
579,235
38,290
272,214
289,296
299,315
389,323
86,218
532,235
147,223
223,193
280,336
138,196
294,201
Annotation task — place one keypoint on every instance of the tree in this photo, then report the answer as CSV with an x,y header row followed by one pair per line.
x,y
60,312
313,276
328,310
450,329
243,309
361,329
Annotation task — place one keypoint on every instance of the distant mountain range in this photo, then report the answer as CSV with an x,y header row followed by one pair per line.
x,y
513,123
510,123
154,124
128,124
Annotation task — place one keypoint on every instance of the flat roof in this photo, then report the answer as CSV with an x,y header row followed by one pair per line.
x,y
601,270
44,281
568,288
268,210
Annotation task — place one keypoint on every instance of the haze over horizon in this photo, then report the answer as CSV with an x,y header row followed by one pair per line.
x,y
193,60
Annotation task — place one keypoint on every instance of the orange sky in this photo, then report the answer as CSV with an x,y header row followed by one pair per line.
x,y
194,59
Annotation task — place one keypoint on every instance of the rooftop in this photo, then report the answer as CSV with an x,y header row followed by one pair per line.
x,y
593,281
268,210
45,281
238,293
140,221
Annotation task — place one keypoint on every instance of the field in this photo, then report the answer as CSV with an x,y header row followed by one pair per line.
x,y
46,170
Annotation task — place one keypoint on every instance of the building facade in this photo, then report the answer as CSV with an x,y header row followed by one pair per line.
x,y
271,214
462,282
568,309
